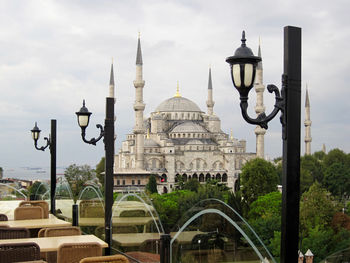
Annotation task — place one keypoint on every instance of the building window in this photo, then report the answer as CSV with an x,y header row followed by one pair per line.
x,y
123,182
118,182
138,182
132,182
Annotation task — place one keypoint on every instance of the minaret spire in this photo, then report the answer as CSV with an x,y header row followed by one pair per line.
x,y
111,82
259,108
139,53
139,107
210,102
307,124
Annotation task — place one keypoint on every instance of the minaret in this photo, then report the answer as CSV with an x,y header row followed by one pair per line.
x,y
307,124
210,102
259,108
139,107
111,83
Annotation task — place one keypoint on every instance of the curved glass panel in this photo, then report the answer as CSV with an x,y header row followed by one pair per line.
x,y
91,208
64,199
212,231
11,194
136,226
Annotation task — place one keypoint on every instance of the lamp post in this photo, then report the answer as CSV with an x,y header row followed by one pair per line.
x,y
107,132
243,67
50,142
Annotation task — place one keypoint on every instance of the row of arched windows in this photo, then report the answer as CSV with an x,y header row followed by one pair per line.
x,y
189,135
201,177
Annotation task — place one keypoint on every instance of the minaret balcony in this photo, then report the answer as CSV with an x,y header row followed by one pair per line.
x,y
139,106
139,83
307,123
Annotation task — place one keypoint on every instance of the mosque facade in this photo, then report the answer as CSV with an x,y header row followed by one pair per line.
x,y
178,142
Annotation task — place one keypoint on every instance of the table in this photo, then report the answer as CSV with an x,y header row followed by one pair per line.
x,y
136,239
50,244
119,221
36,223
133,239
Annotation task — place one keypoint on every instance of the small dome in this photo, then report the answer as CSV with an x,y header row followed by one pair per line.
x,y
150,143
178,104
189,126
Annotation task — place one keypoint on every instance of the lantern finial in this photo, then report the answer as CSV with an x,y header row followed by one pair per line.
x,y
243,39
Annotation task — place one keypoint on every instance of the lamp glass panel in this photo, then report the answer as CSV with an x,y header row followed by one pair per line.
x,y
236,73
248,75
35,135
83,120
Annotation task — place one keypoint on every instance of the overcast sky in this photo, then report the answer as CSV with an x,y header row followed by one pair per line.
x,y
54,54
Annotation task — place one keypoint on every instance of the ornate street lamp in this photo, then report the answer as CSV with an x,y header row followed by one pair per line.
x,y
107,132
243,67
83,116
50,142
35,135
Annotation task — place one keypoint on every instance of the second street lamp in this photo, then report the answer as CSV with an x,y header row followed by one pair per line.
x,y
50,142
243,65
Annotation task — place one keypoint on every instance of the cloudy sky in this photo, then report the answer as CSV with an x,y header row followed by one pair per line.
x,y
54,54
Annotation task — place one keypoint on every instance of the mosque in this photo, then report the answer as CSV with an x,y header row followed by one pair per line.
x,y
179,141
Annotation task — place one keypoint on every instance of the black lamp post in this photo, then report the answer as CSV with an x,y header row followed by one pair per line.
x,y
51,141
243,67
108,133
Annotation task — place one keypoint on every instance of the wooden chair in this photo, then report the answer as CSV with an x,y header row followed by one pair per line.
x,y
28,212
14,232
17,252
102,259
57,232
3,217
43,204
73,253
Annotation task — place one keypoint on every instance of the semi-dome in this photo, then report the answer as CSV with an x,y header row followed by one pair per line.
x,y
189,126
178,104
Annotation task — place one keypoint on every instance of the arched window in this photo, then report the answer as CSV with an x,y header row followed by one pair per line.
x,y
177,178
224,177
218,177
207,177
195,176
201,178
184,177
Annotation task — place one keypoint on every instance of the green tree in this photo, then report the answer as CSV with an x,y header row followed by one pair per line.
x,y
337,179
316,209
319,242
151,186
100,169
336,156
319,155
192,185
314,166
265,215
258,178
77,176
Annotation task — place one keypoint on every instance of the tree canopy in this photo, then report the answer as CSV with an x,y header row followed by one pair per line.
x,y
77,176
258,177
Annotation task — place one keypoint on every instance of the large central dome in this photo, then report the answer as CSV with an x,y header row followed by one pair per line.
x,y
178,104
